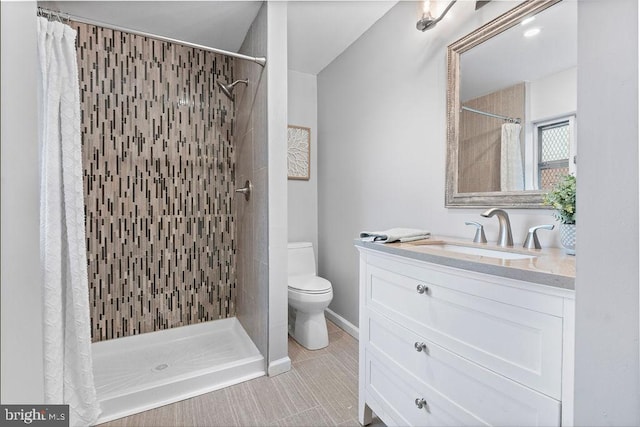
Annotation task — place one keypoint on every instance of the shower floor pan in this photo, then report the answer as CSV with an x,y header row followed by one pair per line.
x,y
146,371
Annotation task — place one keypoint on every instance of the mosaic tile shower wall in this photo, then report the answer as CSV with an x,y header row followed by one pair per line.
x,y
159,175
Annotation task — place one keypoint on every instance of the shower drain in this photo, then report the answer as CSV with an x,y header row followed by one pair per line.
x,y
160,367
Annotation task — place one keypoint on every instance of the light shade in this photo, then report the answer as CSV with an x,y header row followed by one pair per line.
x,y
427,20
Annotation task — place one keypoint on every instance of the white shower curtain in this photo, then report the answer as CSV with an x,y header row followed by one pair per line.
x,y
67,336
511,167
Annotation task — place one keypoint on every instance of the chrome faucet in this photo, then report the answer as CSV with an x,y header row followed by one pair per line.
x,y
532,242
479,237
504,236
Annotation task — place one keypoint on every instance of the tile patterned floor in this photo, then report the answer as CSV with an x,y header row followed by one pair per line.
x,y
320,390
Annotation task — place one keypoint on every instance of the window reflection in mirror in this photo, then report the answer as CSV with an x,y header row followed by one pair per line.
x,y
555,151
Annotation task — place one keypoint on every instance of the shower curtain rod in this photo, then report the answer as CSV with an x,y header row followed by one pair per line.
x,y
497,116
60,16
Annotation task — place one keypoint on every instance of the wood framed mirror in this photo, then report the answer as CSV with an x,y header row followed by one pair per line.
x,y
511,92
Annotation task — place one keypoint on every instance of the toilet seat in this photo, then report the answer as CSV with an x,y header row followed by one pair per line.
x,y
309,284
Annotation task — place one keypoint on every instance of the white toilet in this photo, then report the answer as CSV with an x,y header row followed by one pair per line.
x,y
309,295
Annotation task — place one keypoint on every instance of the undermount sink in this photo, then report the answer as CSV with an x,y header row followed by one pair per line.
x,y
474,250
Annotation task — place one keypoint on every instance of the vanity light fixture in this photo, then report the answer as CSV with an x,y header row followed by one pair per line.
x,y
532,32
427,21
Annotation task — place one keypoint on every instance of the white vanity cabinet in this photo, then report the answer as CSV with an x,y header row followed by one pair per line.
x,y
448,346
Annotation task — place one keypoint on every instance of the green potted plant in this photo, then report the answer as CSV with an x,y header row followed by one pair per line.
x,y
562,198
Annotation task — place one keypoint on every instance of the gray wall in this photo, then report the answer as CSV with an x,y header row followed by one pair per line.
x,y
303,195
252,304
607,374
277,106
22,357
382,143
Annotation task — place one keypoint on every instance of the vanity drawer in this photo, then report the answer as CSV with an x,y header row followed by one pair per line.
x,y
485,395
519,343
392,395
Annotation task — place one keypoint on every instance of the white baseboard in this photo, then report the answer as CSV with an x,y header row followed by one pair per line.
x,y
342,323
279,366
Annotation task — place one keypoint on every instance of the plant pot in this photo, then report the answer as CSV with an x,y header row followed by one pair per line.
x,y
568,238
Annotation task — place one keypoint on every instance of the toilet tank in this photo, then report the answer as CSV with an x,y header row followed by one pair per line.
x,y
302,261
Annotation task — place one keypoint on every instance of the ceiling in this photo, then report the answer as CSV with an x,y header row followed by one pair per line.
x,y
318,31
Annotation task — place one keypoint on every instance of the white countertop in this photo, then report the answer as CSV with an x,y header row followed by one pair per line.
x,y
550,266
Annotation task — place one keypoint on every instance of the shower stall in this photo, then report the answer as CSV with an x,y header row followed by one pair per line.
x,y
177,258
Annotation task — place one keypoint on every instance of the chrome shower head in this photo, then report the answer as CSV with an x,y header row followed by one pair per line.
x,y
227,89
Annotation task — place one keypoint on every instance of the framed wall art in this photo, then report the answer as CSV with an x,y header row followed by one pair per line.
x,y
298,152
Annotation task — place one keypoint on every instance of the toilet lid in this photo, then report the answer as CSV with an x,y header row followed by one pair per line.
x,y
310,284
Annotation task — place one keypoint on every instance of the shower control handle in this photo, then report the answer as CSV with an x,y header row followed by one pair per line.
x,y
246,190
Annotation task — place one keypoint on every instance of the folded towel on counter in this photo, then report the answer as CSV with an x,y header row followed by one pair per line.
x,y
395,235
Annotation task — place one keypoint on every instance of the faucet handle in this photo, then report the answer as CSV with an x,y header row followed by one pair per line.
x,y
532,241
479,237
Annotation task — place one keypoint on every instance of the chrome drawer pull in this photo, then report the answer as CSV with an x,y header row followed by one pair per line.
x,y
420,346
420,402
422,289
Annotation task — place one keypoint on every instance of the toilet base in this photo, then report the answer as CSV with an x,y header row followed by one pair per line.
x,y
310,330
